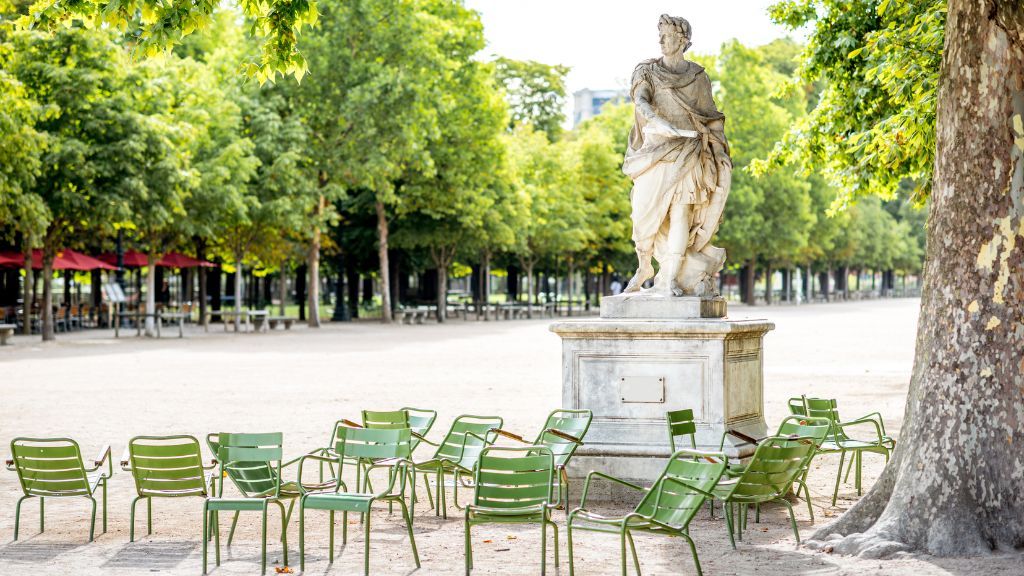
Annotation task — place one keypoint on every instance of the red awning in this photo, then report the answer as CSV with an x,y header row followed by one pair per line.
x,y
177,260
65,260
132,259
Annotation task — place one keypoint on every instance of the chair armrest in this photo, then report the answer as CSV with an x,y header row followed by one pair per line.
x,y
425,439
213,464
564,436
104,456
126,463
509,435
875,416
593,473
350,423
9,464
872,421
302,460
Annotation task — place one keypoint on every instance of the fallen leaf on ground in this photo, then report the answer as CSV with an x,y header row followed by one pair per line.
x,y
511,537
283,570
488,541
502,549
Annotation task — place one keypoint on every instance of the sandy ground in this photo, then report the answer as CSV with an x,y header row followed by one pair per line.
x,y
102,391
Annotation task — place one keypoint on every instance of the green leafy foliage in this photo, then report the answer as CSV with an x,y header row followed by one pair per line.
x,y
874,124
535,92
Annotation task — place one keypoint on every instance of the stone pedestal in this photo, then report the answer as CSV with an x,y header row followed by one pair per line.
x,y
629,372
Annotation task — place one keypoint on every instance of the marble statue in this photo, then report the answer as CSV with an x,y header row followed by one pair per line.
x,y
678,158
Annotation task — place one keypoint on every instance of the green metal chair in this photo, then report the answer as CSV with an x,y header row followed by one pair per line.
x,y
165,467
680,423
774,467
839,441
791,427
457,454
666,508
53,468
361,444
253,462
420,421
562,434
513,486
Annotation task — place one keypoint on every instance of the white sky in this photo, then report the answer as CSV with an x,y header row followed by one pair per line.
x,y
603,40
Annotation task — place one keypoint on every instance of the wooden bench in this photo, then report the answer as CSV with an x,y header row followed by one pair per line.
x,y
285,321
6,331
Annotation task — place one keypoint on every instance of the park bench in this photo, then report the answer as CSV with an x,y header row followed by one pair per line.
x,y
285,321
6,331
251,320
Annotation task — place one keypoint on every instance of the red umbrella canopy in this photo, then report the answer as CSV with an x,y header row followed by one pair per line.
x,y
177,260
64,260
12,259
71,260
132,259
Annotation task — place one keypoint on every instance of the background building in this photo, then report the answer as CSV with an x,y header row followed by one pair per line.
x,y
588,102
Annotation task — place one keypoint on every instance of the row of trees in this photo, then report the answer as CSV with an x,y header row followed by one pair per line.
x,y
396,143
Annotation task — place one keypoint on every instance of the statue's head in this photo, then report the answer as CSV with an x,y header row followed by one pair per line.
x,y
674,34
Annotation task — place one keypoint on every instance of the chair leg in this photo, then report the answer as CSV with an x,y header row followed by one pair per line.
x,y
263,541
792,519
234,522
543,548
131,521
216,536
430,497
632,548
366,544
727,507
442,495
568,538
302,535
288,516
849,467
344,528
42,520
622,549
693,551
807,496
17,514
92,524
554,527
105,507
284,529
839,476
469,547
860,457
330,539
149,516
206,530
407,515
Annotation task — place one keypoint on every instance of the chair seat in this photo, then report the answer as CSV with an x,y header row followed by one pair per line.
x,y
851,444
523,514
345,501
241,504
587,520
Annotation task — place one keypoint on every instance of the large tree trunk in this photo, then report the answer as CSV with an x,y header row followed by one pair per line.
x,y
314,269
748,283
30,291
238,291
46,310
282,288
768,273
440,260
151,294
528,268
313,292
382,254
954,486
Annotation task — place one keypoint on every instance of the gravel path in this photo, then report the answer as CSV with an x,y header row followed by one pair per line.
x,y
99,391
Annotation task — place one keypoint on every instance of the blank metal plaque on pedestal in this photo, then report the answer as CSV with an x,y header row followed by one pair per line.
x,y
642,389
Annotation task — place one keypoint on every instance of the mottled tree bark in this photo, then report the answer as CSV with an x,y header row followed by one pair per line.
x,y
382,253
314,267
956,483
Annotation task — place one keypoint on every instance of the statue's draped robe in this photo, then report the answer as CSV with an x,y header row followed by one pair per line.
x,y
668,169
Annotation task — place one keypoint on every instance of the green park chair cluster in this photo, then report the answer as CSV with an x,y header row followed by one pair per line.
x,y
510,484
524,483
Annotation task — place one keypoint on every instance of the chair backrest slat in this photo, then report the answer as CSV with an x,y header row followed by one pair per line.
x,y
385,419
514,477
574,423
681,423
374,443
673,504
773,468
167,465
249,460
49,467
421,421
463,443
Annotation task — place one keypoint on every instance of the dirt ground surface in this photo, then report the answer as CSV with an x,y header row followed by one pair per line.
x,y
99,390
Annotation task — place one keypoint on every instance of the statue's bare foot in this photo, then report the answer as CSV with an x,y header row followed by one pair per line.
x,y
670,291
643,274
